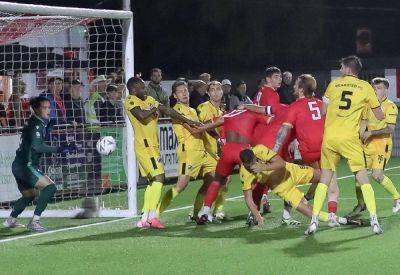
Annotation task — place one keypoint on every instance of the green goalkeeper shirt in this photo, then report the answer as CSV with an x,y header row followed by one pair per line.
x,y
32,144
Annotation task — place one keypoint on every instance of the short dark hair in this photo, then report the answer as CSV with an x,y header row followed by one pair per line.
x,y
353,62
36,102
53,79
380,80
111,88
246,155
132,81
177,84
153,70
308,84
272,70
240,83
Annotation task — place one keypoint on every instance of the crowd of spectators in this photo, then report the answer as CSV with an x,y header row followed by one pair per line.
x,y
102,102
67,103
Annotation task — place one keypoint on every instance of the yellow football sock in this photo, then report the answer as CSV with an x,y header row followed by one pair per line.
x,y
359,194
319,198
146,199
156,188
389,186
166,200
323,216
369,198
198,203
219,202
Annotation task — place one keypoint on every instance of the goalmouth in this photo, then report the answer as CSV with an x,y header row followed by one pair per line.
x,y
74,45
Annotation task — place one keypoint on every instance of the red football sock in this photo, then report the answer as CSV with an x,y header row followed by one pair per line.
x,y
212,193
332,206
258,191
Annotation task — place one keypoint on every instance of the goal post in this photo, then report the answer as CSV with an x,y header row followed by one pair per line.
x,y
40,45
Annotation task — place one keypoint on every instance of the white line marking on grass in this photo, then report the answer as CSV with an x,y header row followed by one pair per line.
x,y
170,210
60,230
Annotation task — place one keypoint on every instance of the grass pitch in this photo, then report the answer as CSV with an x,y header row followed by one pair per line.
x,y
116,247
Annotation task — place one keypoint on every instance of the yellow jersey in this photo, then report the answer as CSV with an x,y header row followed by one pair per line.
x,y
186,140
390,110
263,153
348,96
146,134
208,112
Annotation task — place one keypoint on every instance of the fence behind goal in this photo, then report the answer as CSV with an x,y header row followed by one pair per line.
x,y
72,56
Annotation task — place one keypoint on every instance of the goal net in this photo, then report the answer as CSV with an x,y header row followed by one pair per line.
x,y
79,59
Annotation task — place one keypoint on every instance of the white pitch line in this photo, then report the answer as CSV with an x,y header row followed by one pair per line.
x,y
122,219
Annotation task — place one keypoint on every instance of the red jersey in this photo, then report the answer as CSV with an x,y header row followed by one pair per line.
x,y
305,117
243,122
268,97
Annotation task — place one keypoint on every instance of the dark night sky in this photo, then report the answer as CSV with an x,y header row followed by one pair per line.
x,y
188,36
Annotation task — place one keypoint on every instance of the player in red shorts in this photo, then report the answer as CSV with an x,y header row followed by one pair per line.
x,y
304,119
238,127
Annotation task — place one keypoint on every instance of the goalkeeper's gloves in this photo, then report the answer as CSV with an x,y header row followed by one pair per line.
x,y
69,148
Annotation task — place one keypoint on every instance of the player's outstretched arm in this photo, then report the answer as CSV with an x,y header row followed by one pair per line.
x,y
256,108
281,136
205,127
141,114
177,116
248,197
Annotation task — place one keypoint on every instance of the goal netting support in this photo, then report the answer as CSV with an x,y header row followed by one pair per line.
x,y
79,59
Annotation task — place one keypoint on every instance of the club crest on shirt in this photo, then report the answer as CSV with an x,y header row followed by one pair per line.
x,y
190,167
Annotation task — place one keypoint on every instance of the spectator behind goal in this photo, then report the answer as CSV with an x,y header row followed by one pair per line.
x,y
239,97
74,104
53,94
18,110
110,110
199,94
286,90
154,88
97,91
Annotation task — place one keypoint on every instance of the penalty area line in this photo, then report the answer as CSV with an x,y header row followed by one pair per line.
x,y
123,219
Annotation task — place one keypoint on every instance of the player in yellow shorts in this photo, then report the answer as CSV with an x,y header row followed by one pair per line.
x,y
344,101
142,112
266,167
377,138
194,161
208,112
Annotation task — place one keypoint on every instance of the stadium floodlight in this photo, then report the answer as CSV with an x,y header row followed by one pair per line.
x,y
41,42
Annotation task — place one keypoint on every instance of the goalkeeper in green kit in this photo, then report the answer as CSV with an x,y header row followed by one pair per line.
x,y
25,167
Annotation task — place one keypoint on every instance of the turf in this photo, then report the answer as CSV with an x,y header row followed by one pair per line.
x,y
227,248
